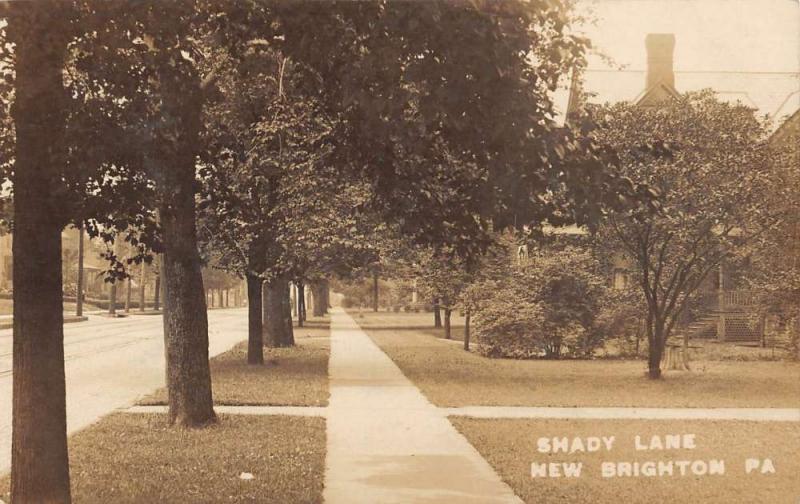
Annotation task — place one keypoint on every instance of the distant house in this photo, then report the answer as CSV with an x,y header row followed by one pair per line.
x,y
660,78
93,266
724,308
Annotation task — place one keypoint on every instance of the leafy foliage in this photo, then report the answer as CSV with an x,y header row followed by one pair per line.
x,y
441,276
712,190
273,201
546,308
458,130
774,273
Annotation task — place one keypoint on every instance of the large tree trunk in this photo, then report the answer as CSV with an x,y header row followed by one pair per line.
x,y
467,317
325,290
316,293
185,316
276,309
255,337
654,364
656,349
447,333
39,460
286,306
437,315
112,299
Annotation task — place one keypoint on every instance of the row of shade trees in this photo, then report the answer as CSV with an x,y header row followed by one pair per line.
x,y
274,140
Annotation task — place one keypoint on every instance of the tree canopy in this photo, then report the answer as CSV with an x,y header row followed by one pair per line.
x,y
713,190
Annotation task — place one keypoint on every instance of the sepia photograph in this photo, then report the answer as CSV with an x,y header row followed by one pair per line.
x,y
399,251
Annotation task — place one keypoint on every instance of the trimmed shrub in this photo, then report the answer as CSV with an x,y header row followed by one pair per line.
x,y
546,308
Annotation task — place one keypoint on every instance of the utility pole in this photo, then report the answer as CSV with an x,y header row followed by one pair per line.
x,y
142,276
375,291
79,294
128,281
128,295
157,286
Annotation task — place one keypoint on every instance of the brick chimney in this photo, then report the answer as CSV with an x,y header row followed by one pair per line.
x,y
660,47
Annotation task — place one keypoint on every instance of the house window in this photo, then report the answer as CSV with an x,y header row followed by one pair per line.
x,y
620,279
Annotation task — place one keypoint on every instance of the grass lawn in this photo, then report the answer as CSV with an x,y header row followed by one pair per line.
x,y
138,458
289,377
510,446
449,376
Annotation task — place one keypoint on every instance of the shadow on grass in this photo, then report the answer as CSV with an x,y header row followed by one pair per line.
x,y
294,376
127,458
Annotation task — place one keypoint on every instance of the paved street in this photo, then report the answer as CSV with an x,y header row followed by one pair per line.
x,y
110,363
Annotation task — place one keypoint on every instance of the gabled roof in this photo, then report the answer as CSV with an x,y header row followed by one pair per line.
x,y
790,126
647,98
655,94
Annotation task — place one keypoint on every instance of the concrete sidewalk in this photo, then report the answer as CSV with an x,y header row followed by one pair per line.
x,y
386,442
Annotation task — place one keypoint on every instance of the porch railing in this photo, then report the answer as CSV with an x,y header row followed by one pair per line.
x,y
728,300
735,298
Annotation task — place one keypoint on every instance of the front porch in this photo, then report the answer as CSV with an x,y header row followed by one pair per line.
x,y
727,316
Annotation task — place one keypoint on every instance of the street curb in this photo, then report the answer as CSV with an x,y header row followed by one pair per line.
x,y
67,320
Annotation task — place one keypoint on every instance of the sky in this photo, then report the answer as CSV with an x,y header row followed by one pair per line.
x,y
746,50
